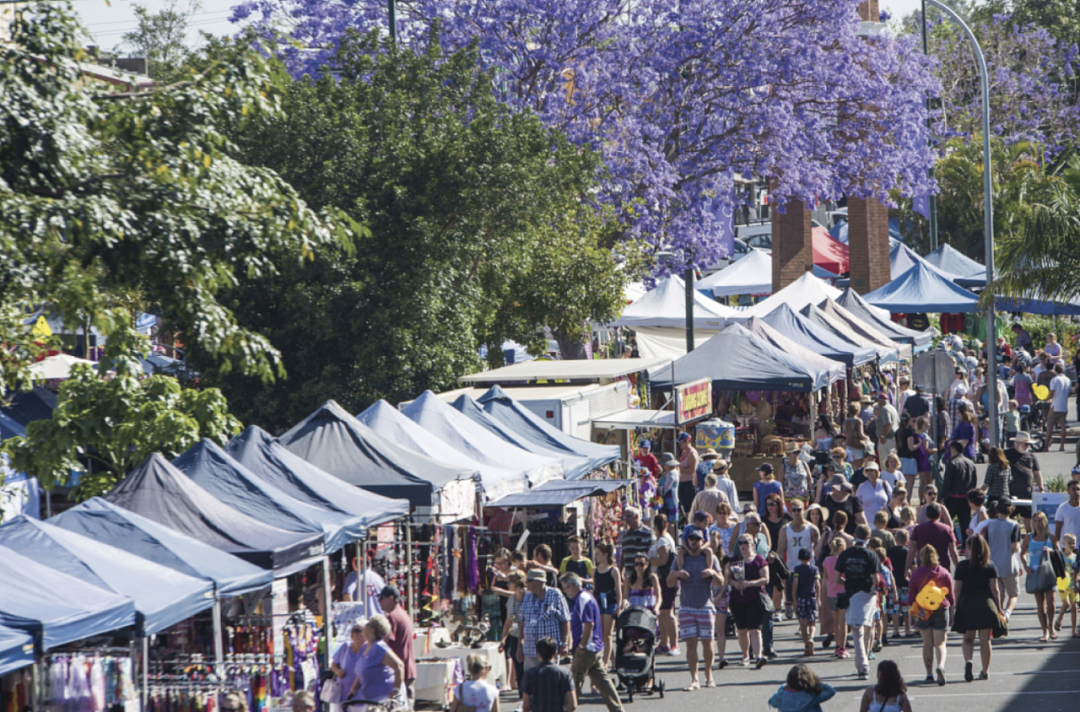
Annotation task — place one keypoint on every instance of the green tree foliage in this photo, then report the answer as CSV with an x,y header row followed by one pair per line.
x,y
161,37
104,426
1043,257
105,193
482,229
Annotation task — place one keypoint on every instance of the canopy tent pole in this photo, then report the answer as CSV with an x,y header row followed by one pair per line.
x,y
219,648
408,566
327,631
35,683
361,571
144,673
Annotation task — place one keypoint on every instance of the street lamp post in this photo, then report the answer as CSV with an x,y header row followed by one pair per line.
x,y
930,171
688,279
988,224
393,21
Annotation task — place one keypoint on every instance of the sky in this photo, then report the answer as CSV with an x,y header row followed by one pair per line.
x,y
107,22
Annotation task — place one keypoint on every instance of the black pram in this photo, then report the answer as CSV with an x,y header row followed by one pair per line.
x,y
635,651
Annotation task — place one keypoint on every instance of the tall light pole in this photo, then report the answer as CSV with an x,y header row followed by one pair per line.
x,y
688,283
988,223
930,171
393,22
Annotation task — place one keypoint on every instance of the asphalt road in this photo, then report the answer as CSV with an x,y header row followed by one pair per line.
x,y
1025,675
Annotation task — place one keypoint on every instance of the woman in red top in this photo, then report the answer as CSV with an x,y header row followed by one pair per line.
x,y
933,629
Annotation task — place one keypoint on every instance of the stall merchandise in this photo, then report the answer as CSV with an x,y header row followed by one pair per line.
x,y
87,683
337,443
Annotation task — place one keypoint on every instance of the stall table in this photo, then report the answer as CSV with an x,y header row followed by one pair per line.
x,y
497,660
436,680
422,646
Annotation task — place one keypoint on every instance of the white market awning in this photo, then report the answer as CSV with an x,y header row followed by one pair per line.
x,y
632,419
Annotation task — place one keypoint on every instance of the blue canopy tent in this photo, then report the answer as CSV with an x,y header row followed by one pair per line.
x,y
843,331
158,491
235,485
572,464
559,493
9,428
802,331
839,231
738,360
921,289
949,259
919,340
16,650
258,451
57,608
162,595
337,443
24,407
109,524
1036,305
504,409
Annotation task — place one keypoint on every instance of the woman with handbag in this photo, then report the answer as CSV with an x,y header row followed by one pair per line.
x,y
344,662
978,604
1040,574
747,573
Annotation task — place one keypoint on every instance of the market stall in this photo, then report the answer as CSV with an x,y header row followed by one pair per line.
x,y
856,305
665,306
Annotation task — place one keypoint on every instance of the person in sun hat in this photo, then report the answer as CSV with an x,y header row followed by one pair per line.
x,y
705,467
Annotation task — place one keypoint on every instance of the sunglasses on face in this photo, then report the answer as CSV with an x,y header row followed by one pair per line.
x,y
931,494
744,543
639,563
796,509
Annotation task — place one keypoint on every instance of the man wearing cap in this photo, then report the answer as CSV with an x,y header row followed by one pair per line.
x,y
697,614
400,639
725,484
841,499
704,468
543,614
1025,474
904,393
888,423
372,584
646,460
708,499
588,643
635,539
688,463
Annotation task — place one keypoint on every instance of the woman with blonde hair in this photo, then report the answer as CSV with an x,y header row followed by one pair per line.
x,y
1037,544
379,671
476,694
933,628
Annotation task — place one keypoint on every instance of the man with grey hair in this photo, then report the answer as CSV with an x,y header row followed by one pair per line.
x,y
635,539
588,642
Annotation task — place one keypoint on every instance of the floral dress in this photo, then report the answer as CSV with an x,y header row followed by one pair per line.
x,y
796,481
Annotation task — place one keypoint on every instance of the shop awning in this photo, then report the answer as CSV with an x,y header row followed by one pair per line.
x,y
559,493
258,451
666,306
798,328
115,526
219,474
162,595
337,443
16,650
632,419
158,491
738,360
750,275
37,599
667,342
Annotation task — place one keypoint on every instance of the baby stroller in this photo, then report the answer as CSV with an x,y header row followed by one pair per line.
x,y
635,652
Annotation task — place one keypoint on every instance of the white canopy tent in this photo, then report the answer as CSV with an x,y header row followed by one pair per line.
x,y
667,343
750,275
666,306
58,366
807,289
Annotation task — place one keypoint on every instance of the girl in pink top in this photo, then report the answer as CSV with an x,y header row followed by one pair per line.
x,y
932,630
832,590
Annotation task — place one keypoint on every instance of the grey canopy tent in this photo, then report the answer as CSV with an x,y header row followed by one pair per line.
x,y
109,524
219,474
24,407
835,369
160,492
863,329
336,442
738,360
162,596
843,331
257,450
559,493
515,416
799,329
855,304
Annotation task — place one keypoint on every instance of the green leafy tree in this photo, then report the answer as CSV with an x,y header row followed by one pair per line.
x,y
482,229
1043,257
161,37
105,193
105,425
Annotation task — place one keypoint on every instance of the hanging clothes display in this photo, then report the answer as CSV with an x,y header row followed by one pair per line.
x,y
87,683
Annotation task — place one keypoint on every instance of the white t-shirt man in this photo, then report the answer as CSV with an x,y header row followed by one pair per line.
x,y
1069,516
373,584
1059,387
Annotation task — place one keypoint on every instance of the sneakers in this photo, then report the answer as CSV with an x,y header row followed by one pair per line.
x,y
984,675
789,613
760,663
661,649
871,655
722,664
968,674
940,675
929,678
877,646
828,641
674,652
808,649
771,655
864,674
777,617
842,654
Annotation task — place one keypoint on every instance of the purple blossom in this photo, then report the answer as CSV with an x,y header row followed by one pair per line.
x,y
678,95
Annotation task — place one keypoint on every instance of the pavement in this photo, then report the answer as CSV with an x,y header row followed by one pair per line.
x,y
1025,675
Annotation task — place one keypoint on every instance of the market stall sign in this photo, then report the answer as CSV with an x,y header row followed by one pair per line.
x,y
693,400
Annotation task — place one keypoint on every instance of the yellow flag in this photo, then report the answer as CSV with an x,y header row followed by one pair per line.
x,y
41,330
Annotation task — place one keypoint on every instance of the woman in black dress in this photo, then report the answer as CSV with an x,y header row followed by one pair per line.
x,y
775,519
977,603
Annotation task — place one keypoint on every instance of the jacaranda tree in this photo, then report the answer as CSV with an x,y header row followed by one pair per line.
x,y
677,95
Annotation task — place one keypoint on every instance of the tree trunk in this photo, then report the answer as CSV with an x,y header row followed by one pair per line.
x,y
571,349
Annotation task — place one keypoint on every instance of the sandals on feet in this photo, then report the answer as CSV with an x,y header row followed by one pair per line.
x,y
692,686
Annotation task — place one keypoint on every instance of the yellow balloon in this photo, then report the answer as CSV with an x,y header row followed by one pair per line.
x,y
1041,392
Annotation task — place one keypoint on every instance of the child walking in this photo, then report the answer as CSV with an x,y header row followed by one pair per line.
x,y
1069,595
807,587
